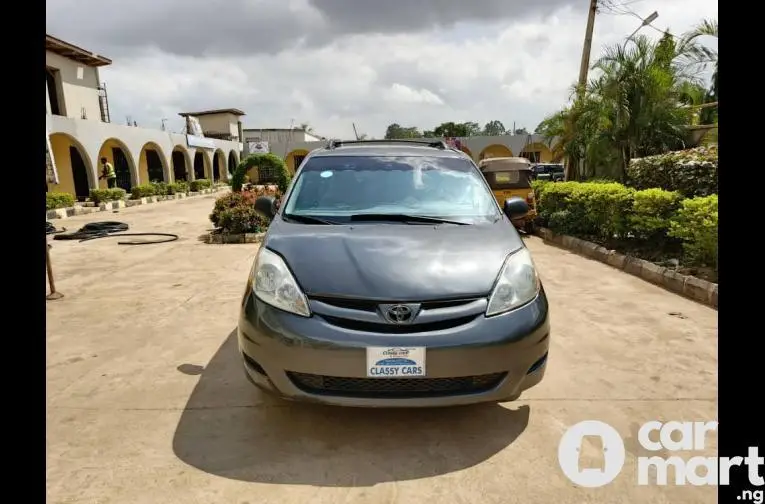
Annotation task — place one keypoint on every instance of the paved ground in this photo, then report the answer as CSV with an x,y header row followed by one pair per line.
x,y
147,402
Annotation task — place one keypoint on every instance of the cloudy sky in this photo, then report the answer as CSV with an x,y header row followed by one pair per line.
x,y
331,63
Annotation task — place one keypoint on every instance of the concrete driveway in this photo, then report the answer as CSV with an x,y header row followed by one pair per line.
x,y
147,402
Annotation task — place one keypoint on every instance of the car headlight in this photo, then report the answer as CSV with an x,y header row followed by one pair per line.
x,y
518,283
273,283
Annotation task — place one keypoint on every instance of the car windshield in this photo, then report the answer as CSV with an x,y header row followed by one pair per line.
x,y
339,188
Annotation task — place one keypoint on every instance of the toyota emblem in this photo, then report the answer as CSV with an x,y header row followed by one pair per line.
x,y
400,313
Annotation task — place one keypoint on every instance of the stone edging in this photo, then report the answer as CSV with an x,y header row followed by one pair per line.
x,y
63,213
234,238
686,285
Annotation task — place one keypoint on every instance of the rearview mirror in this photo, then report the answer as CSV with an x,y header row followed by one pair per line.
x,y
267,205
515,208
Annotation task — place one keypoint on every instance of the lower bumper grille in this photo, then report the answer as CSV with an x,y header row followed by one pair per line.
x,y
394,388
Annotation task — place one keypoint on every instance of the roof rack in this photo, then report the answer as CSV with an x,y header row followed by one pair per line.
x,y
438,144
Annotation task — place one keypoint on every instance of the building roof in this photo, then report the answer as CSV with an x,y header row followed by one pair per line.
x,y
71,51
233,111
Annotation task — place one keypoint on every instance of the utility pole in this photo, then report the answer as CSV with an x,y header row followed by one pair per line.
x,y
573,168
585,65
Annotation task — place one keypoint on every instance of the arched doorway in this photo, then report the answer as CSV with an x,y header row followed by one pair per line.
x,y
151,163
537,152
119,156
294,159
75,173
466,151
180,164
201,165
232,162
218,166
495,150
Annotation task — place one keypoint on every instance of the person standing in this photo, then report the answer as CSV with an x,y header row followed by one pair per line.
x,y
108,173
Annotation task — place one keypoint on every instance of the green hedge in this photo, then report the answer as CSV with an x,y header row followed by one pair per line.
x,y
271,161
199,184
143,191
586,209
691,172
650,218
696,224
58,200
104,195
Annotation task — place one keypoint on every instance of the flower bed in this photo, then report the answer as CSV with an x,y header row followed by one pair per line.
x,y
235,218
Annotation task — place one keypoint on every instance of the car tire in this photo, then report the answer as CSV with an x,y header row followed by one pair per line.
x,y
530,227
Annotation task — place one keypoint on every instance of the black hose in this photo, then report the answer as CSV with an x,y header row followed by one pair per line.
x,y
169,238
106,229
51,229
101,228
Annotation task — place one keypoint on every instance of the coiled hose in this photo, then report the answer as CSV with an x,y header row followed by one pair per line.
x,y
105,229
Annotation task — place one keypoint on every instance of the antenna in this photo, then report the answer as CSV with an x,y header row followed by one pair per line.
x,y
356,133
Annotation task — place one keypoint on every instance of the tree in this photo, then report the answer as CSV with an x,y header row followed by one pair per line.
x,y
637,105
494,128
521,131
452,129
396,131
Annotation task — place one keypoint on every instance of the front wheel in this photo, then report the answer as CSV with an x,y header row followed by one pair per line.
x,y
530,228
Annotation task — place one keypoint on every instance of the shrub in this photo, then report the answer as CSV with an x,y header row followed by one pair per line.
x,y
104,195
652,210
199,184
586,209
695,223
261,161
235,200
160,188
142,191
58,200
179,187
242,219
539,186
691,172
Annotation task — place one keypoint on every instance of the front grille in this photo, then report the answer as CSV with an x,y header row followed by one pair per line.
x,y
373,327
368,305
394,388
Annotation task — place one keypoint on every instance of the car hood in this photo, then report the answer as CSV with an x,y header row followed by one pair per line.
x,y
396,262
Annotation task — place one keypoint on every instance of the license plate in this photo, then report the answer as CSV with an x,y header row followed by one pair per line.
x,y
395,362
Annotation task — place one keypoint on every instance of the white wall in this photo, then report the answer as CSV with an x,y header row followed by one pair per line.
x,y
79,85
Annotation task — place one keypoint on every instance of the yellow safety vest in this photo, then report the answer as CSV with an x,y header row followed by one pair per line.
x,y
110,173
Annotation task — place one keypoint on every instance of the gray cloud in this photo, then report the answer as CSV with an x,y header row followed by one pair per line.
x,y
230,27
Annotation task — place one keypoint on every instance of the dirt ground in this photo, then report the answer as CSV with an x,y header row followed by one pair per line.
x,y
147,402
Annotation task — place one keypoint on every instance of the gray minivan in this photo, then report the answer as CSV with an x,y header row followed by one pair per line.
x,y
390,276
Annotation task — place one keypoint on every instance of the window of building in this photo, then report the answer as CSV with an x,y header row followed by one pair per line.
x,y
53,81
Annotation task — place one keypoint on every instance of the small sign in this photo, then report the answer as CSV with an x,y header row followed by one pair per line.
x,y
258,147
395,362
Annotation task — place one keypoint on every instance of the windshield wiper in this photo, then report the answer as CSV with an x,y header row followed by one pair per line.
x,y
372,217
308,219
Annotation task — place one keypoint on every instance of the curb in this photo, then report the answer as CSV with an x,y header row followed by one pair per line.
x,y
63,213
218,238
688,286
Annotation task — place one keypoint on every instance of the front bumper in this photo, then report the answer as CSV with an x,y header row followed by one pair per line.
x,y
319,360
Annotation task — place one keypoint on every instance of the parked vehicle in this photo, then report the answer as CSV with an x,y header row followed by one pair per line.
x,y
549,171
511,177
390,277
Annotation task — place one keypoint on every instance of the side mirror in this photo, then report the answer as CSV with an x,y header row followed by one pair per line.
x,y
515,208
267,205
